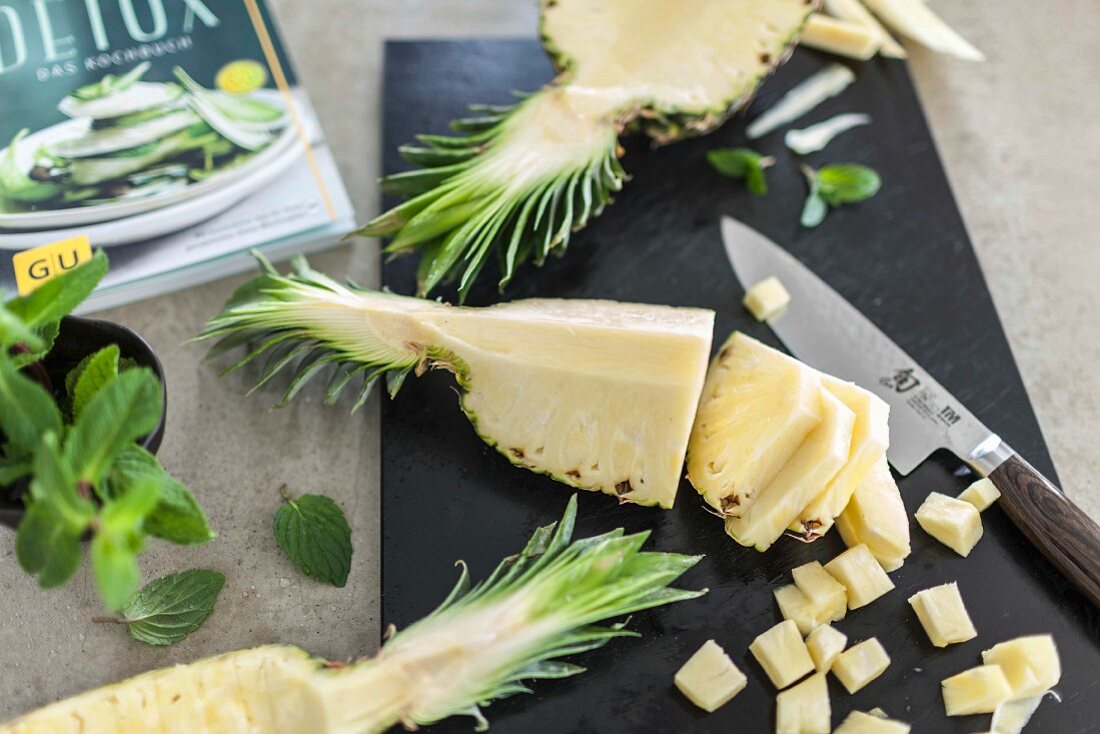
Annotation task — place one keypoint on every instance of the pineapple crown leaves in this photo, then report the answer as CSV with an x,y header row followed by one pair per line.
x,y
563,589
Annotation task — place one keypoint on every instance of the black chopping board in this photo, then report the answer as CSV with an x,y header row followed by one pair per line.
x,y
904,258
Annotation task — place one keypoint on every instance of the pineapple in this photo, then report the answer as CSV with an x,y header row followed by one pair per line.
x,y
860,664
823,591
767,299
805,475
825,644
861,575
875,516
858,722
794,605
597,394
976,691
953,522
1031,664
1011,717
484,642
709,678
782,653
758,405
981,494
804,709
942,614
518,180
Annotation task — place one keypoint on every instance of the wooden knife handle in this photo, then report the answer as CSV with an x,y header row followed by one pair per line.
x,y
1061,530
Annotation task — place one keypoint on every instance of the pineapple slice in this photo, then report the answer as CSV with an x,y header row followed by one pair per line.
x,y
858,722
825,644
942,614
860,664
861,575
758,405
955,523
782,654
823,591
876,516
976,691
709,678
766,299
803,477
1011,717
1031,664
870,439
981,494
804,709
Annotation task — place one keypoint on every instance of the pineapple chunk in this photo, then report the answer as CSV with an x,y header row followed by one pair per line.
x,y
839,37
794,605
1031,664
802,478
1011,717
804,709
981,494
955,523
860,664
870,439
782,654
709,678
757,406
767,299
861,575
823,591
976,691
876,516
861,723
825,643
942,614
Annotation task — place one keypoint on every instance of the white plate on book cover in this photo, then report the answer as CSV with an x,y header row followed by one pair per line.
x,y
122,222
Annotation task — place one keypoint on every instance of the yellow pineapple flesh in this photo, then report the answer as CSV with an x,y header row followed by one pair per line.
x,y
875,516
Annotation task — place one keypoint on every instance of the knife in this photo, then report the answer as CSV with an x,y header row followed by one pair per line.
x,y
825,331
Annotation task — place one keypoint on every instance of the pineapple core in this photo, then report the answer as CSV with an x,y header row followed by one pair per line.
x,y
709,678
1031,664
825,644
942,614
861,575
976,691
861,723
860,664
875,516
804,709
782,654
953,522
981,494
767,299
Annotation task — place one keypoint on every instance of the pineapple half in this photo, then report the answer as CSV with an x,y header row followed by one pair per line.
x,y
516,181
600,395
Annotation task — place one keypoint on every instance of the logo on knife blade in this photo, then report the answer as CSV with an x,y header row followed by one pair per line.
x,y
901,381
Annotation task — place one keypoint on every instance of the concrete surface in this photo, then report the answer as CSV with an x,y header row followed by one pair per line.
x,y
1021,139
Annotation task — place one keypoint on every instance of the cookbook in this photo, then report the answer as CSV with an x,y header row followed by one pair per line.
x,y
171,133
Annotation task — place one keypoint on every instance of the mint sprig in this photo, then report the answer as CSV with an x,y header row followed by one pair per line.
x,y
315,535
836,185
742,163
170,608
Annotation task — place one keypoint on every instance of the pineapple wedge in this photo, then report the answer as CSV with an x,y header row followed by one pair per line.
x,y
858,722
804,709
953,522
942,614
861,575
875,516
1031,664
782,653
860,664
803,477
757,407
825,644
981,494
979,690
709,678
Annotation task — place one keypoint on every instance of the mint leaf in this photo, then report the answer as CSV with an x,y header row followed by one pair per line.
x,y
13,331
814,210
847,183
314,534
58,296
177,518
46,547
27,410
119,540
120,413
743,163
99,369
172,607
46,335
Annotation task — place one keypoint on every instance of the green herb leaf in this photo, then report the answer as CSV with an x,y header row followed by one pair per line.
x,y
814,210
14,331
170,608
58,296
177,518
46,336
315,535
97,371
122,412
847,183
742,163
118,542
27,410
45,547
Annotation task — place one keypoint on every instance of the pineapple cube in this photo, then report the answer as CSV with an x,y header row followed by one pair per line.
x,y
953,522
876,711
876,515
862,576
709,678
860,664
981,494
794,605
1012,716
942,614
870,723
825,643
976,691
1030,664
823,591
782,654
767,299
804,709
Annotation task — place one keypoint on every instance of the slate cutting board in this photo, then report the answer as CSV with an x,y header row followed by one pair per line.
x,y
903,258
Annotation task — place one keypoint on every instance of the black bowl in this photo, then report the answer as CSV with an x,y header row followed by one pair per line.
x,y
78,338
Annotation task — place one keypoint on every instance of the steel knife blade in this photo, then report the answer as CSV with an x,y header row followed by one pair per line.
x,y
822,329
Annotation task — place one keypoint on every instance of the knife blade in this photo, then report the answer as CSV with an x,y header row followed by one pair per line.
x,y
822,329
